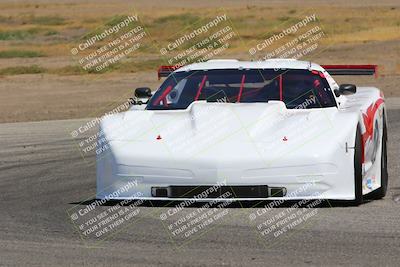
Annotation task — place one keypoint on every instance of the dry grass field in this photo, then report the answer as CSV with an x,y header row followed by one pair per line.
x,y
41,80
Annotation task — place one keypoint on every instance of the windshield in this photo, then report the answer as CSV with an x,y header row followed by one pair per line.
x,y
296,88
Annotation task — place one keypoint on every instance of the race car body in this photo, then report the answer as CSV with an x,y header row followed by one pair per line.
x,y
226,129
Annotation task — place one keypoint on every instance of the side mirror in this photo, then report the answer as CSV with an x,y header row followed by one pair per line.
x,y
143,92
346,89
142,95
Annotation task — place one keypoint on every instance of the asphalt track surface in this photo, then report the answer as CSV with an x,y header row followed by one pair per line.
x,y
42,175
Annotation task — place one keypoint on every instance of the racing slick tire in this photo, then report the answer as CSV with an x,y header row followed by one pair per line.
x,y
358,170
381,191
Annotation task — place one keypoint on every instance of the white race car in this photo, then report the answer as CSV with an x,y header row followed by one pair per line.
x,y
237,130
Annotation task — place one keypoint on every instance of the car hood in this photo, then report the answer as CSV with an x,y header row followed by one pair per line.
x,y
216,130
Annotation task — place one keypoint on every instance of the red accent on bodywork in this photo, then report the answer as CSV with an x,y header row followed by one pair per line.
x,y
368,119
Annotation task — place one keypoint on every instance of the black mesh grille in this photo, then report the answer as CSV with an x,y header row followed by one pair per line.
x,y
242,191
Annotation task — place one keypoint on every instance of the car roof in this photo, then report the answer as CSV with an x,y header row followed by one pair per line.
x,y
265,64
